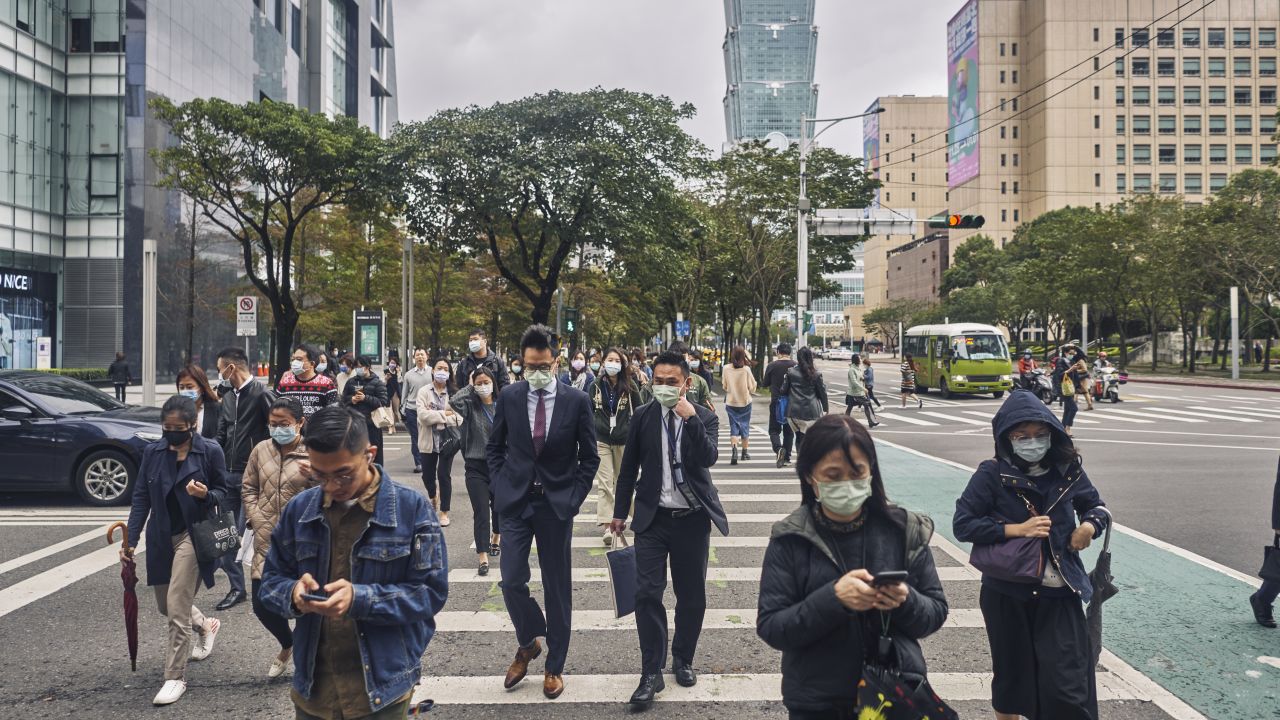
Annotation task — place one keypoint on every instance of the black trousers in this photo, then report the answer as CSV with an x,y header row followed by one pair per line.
x,y
555,537
780,434
228,562
120,389
276,625
375,439
686,541
483,516
871,395
1040,657
436,470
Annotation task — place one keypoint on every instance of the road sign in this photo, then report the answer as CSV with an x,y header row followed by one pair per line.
x,y
246,316
682,328
854,222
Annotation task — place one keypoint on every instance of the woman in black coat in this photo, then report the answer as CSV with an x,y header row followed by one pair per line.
x,y
819,603
1262,601
366,392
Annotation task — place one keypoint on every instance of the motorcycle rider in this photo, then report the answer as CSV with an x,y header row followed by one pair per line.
x,y
1026,365
1101,361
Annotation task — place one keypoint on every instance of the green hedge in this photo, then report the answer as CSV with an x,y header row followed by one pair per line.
x,y
85,374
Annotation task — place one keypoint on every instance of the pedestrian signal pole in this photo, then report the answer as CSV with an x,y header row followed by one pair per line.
x,y
1084,328
1235,333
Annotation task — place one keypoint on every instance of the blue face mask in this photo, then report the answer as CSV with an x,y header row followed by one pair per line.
x,y
193,394
284,434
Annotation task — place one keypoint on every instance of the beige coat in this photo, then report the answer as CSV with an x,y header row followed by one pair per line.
x,y
270,481
433,418
739,384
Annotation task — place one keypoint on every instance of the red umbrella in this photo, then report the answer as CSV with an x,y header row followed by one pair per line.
x,y
129,576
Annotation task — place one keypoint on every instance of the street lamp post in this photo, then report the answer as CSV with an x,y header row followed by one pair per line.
x,y
802,211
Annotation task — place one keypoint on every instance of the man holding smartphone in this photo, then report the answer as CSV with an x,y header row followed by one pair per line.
x,y
365,612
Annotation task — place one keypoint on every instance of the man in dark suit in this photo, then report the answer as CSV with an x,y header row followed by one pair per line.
x,y
542,459
672,445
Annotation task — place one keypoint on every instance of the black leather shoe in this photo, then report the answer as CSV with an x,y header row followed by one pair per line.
x,y
684,673
1261,613
233,598
650,686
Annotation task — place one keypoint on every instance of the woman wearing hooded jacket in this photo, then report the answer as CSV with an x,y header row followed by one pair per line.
x,y
1036,487
819,603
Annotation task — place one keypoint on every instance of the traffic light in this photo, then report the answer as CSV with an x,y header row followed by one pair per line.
x,y
947,221
570,320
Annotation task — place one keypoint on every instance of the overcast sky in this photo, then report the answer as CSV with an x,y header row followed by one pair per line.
x,y
453,53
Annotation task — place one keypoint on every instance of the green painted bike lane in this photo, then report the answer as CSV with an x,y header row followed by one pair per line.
x,y
1185,626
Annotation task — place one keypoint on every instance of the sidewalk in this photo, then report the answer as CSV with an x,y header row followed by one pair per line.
x,y
1180,619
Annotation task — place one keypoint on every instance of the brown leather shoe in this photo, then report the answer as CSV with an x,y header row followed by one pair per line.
x,y
552,686
520,666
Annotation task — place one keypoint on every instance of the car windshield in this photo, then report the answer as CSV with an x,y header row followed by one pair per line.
x,y
67,396
979,347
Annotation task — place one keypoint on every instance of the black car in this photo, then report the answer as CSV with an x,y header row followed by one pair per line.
x,y
61,434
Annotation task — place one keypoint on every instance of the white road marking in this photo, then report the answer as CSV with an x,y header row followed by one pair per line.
x,y
1118,418
1244,413
715,619
714,574
53,549
905,419
1150,415
953,418
50,581
1212,416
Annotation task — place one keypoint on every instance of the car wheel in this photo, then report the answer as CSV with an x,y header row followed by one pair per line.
x,y
944,389
997,394
105,478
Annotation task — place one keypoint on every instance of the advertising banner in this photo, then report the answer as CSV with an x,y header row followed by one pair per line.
x,y
962,94
871,146
369,331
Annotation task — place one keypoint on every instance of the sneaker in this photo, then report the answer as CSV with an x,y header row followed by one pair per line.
x,y
782,458
202,644
278,666
919,403
170,692
417,469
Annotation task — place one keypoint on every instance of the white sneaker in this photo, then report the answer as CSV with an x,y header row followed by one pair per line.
x,y
170,693
608,539
278,666
202,645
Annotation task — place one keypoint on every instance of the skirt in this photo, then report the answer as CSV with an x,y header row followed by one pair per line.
x,y
739,420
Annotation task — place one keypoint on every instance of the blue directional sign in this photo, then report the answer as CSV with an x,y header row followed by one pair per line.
x,y
682,328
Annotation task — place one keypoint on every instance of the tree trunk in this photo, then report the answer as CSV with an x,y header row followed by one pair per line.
x,y
285,322
1266,358
1195,341
437,297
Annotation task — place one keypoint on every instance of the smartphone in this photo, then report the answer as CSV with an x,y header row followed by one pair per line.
x,y
319,598
889,577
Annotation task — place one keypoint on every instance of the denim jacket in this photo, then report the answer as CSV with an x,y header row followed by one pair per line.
x,y
399,573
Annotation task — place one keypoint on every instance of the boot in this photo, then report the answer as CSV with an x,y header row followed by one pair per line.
x,y
745,455
734,460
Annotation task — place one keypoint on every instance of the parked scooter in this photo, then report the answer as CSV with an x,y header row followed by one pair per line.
x,y
1107,382
1040,383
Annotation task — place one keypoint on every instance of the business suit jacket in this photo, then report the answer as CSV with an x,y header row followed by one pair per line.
x,y
568,461
643,456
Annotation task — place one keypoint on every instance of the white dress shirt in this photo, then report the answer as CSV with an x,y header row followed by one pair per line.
x,y
669,496
548,402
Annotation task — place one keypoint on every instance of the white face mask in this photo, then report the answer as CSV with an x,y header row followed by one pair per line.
x,y
695,364
578,365
474,346
322,367
296,367
613,368
485,390
441,376
844,497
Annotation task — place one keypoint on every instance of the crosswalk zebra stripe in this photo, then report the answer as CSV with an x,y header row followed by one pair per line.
x,y
1214,416
714,619
905,419
1260,412
952,418
711,687
714,574
1121,418
1151,414
1237,413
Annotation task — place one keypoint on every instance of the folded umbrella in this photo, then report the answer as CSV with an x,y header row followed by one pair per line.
x,y
128,576
1104,588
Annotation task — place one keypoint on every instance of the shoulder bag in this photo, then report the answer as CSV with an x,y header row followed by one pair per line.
x,y
1271,561
1018,560
215,536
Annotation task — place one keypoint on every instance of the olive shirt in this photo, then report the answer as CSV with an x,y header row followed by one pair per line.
x,y
700,392
338,682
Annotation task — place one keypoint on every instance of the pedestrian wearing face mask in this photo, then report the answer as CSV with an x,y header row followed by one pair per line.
x,y
517,370
665,482
278,470
699,392
595,363
415,378
304,381
434,416
1035,487
193,383
324,366
615,396
346,366
699,366
819,601
475,406
578,376
479,355
365,392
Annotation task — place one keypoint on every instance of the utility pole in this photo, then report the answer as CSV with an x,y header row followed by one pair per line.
x,y
149,322
406,307
1235,333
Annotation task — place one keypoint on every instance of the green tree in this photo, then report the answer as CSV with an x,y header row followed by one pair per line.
x,y
1242,221
885,320
258,171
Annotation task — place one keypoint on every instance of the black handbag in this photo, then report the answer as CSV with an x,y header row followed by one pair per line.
x,y
215,536
1271,561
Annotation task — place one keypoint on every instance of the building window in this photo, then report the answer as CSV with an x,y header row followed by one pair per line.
x,y
1015,77
1242,66
1244,154
1141,124
1267,96
1096,35
1119,124
1015,104
1267,67
1119,37
1015,132
1015,49
1119,67
1191,37
1004,215
913,177
1141,95
1267,37
1244,125
1168,154
1191,184
1141,37
1217,67
1142,182
81,35
886,138
1217,37
913,137
1004,188
1191,124
1191,67
913,157
1097,180
295,27
1015,210
1097,122
1168,183
1191,95
1001,49
1097,64
913,197
1141,67
1164,37
1141,154
1015,159
1015,187
1097,150
1217,154
1167,124
1217,95
1120,182
1217,124
1217,181
1242,37
1119,96
1267,154
1003,159
1167,95
1192,154
1120,155
1267,125
1243,95
1002,132
886,196
1166,67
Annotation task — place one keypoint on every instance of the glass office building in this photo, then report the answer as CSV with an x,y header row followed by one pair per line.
x,y
769,51
78,192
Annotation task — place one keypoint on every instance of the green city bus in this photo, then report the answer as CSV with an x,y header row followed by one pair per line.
x,y
962,358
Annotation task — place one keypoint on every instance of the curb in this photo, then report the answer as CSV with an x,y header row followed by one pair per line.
x,y
1207,384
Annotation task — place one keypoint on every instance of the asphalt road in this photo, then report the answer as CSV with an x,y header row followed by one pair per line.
x,y
1192,466
65,655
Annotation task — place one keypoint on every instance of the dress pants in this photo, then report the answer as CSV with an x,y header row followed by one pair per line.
x,y
554,538
686,541
411,424
483,516
230,563
607,480
780,434
174,601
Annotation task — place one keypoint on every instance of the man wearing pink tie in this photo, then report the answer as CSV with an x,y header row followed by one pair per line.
x,y
542,459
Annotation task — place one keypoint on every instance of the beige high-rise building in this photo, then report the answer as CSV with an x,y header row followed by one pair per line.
x,y
913,180
1084,102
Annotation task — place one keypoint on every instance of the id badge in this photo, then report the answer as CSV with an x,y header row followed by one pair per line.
x,y
613,422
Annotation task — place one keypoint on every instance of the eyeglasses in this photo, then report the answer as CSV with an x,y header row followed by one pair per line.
x,y
545,367
1018,438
